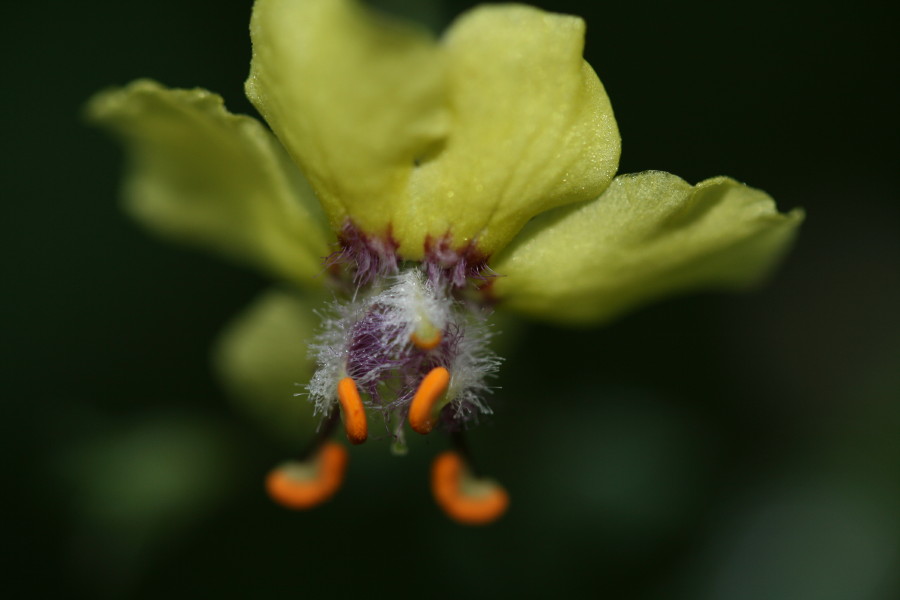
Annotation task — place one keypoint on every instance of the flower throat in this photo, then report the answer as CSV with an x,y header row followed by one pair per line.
x,y
408,340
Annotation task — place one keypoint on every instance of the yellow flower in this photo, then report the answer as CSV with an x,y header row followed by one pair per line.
x,y
421,182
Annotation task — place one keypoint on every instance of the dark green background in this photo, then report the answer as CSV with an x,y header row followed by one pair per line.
x,y
721,447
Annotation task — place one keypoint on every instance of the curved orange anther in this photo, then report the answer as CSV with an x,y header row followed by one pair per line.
x,y
426,404
304,485
355,424
426,342
466,500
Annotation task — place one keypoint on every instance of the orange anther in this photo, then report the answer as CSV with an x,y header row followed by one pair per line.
x,y
304,485
428,341
354,414
426,404
466,500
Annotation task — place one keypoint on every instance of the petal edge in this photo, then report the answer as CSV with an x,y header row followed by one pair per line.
x,y
203,176
648,236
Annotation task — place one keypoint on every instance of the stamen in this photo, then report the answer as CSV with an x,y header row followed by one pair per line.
x,y
465,499
426,336
355,424
428,401
301,485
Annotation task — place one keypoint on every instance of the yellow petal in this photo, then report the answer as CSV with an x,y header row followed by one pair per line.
x,y
470,138
353,96
201,175
532,128
262,360
649,235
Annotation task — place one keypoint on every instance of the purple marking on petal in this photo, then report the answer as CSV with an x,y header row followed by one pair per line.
x,y
368,257
456,267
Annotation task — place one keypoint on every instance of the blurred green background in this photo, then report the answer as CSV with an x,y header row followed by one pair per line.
x,y
712,447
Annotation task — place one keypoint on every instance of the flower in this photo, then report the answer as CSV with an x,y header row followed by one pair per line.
x,y
422,183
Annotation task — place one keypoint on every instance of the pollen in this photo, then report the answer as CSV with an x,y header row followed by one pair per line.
x,y
301,485
426,337
465,499
430,398
355,424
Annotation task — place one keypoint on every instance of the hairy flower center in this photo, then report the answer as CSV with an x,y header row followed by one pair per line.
x,y
410,348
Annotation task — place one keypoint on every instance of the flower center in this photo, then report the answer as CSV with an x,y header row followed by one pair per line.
x,y
406,345
408,340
